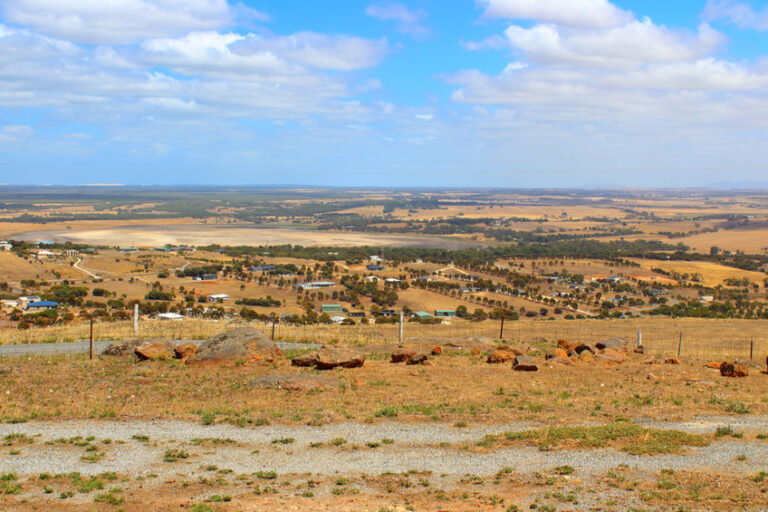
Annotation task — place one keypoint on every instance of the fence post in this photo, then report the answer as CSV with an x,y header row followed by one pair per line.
x,y
751,348
400,330
90,352
136,320
273,330
680,344
501,331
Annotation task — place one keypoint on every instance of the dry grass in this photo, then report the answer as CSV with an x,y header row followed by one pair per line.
x,y
459,387
701,338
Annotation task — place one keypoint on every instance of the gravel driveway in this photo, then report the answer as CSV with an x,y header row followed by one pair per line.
x,y
414,447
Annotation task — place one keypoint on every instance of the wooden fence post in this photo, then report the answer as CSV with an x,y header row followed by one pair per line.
x,y
680,344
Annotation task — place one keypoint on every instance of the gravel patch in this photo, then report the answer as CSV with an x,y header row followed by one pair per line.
x,y
415,447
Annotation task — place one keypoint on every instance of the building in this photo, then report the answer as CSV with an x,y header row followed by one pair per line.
x,y
422,315
263,268
23,302
315,285
445,313
337,319
331,308
129,249
9,304
45,253
392,280
170,316
72,253
6,246
219,297
387,312
376,258
208,277
374,267
706,299
357,314
43,304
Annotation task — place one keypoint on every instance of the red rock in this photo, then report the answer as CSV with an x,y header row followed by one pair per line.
x,y
740,371
727,369
499,356
184,350
672,360
436,351
566,346
525,364
611,356
559,352
154,350
713,365
417,359
402,356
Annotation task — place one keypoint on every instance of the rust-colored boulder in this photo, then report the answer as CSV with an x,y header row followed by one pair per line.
x,y
305,360
512,350
239,344
403,355
499,356
586,357
436,351
327,359
525,364
672,360
566,346
713,365
559,352
417,359
184,350
727,369
740,370
610,355
475,351
154,350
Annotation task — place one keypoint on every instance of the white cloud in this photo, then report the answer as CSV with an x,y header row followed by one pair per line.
x,y
629,77
235,54
11,133
408,21
116,21
739,13
628,45
574,13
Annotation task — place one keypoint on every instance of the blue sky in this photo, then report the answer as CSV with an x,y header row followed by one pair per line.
x,y
508,93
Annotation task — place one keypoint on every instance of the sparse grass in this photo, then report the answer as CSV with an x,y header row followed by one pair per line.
x,y
629,437
173,455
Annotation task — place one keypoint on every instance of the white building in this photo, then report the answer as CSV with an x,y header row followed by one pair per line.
x,y
219,297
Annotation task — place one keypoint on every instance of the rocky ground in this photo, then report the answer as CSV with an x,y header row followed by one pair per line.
x,y
469,425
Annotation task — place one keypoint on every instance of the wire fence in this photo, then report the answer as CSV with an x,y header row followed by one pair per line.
x,y
691,338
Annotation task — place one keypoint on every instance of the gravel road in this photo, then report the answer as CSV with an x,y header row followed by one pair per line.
x,y
415,447
74,347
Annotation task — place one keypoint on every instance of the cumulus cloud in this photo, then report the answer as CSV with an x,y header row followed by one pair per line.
x,y
408,21
116,21
740,14
634,43
618,72
574,13
222,75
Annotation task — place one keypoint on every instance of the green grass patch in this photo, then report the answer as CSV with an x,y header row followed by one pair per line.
x,y
629,437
